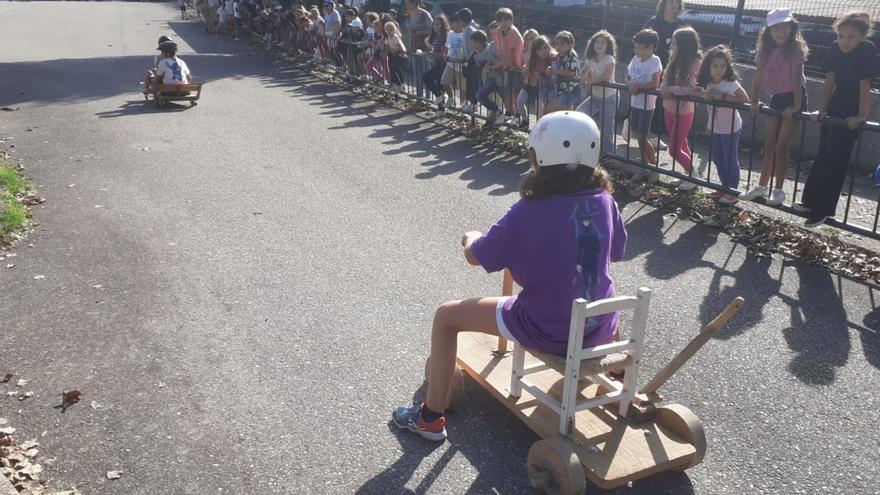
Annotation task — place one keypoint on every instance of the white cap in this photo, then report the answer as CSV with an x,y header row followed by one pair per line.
x,y
562,138
356,23
778,16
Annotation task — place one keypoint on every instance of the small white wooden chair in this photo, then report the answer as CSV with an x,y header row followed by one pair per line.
x,y
591,363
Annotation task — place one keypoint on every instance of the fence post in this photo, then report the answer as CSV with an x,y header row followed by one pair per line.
x,y
605,12
737,20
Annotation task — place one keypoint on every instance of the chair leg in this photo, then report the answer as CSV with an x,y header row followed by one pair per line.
x,y
629,383
516,374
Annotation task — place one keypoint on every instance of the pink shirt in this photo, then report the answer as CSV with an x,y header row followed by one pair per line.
x,y
674,105
777,71
510,46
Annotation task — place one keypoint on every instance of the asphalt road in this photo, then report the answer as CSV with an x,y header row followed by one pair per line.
x,y
243,290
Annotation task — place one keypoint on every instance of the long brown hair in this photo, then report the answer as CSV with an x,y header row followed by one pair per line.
x,y
558,179
794,42
704,78
611,44
661,8
686,53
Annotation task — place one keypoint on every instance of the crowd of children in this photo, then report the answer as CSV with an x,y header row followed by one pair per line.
x,y
515,76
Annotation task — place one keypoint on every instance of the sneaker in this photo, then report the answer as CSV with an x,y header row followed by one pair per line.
x,y
523,124
675,182
753,193
491,117
410,418
815,220
686,186
468,107
800,208
777,198
717,195
438,99
728,199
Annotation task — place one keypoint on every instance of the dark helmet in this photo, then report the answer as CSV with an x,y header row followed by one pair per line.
x,y
168,47
163,39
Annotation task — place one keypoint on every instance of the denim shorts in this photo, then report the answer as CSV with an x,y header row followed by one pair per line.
x,y
640,121
781,101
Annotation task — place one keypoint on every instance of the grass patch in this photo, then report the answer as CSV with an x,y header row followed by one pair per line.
x,y
10,180
13,216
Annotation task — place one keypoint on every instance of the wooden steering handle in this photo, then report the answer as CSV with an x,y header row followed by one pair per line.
x,y
695,345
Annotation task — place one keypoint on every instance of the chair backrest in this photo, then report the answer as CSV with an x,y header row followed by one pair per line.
x,y
582,309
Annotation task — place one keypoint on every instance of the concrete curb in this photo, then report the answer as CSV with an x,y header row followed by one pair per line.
x,y
6,487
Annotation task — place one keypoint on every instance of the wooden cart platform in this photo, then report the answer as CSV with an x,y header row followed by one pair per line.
x,y
163,93
611,449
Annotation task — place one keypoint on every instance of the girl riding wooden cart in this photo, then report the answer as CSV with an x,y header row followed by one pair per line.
x,y
172,80
571,376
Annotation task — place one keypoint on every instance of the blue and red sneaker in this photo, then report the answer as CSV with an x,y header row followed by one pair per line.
x,y
410,418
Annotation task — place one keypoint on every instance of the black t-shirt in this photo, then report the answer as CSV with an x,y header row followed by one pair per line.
x,y
849,69
664,30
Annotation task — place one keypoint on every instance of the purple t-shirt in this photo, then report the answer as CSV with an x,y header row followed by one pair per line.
x,y
777,75
557,249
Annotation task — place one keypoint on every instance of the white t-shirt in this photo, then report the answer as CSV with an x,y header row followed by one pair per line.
x,y
173,70
455,45
236,10
332,21
596,70
724,117
640,72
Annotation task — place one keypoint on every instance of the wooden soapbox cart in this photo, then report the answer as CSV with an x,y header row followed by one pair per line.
x,y
591,425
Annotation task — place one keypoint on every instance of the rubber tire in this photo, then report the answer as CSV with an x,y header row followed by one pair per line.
x,y
683,423
556,459
456,385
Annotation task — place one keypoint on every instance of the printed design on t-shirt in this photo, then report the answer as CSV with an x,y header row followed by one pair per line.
x,y
176,71
588,239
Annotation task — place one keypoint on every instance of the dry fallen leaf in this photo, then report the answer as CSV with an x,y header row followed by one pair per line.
x,y
21,383
29,444
7,377
114,475
72,397
31,453
11,394
8,430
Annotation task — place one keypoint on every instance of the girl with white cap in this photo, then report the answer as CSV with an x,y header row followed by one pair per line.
x,y
557,241
781,53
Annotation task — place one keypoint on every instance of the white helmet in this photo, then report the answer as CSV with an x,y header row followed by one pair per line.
x,y
562,138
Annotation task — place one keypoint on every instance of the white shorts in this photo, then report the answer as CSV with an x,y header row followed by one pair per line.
x,y
499,320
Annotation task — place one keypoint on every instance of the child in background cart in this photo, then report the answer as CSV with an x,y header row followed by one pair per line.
x,y
557,241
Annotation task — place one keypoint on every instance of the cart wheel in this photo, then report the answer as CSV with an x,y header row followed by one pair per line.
x,y
456,386
682,422
554,468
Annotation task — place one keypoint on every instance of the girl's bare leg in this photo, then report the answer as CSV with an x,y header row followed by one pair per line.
x,y
470,315
770,137
786,131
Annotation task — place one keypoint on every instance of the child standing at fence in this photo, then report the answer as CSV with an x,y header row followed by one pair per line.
x,y
436,42
680,79
396,51
534,75
643,74
558,241
720,83
453,73
850,65
565,73
781,54
601,105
